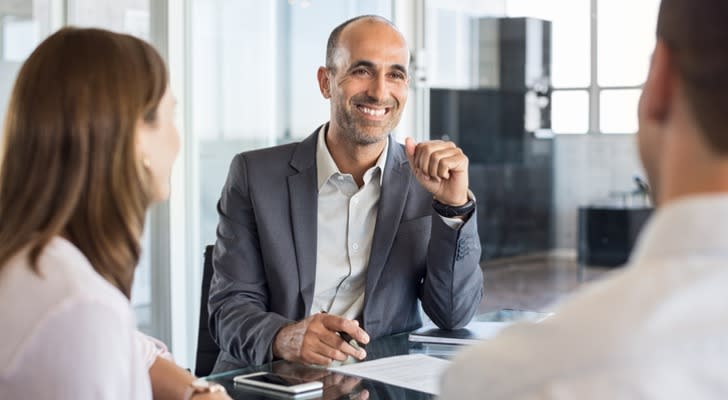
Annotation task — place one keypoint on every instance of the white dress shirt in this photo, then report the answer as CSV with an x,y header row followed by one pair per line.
x,y
67,333
658,329
346,218
347,214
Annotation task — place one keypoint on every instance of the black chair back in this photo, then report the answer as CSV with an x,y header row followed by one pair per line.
x,y
207,349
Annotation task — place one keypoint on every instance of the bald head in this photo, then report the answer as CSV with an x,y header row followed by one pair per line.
x,y
333,43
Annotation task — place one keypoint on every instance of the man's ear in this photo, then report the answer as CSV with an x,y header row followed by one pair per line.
x,y
323,80
658,89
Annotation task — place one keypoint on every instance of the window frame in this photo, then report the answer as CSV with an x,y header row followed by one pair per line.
x,y
594,89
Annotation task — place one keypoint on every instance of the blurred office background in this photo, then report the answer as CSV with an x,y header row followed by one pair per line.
x,y
541,94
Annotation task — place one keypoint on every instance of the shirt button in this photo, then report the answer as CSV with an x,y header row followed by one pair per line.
x,y
340,177
355,246
355,200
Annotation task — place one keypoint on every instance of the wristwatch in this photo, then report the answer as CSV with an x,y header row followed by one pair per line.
x,y
450,211
200,386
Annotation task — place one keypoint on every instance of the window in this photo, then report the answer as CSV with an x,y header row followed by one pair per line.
x,y
570,111
599,54
248,94
128,16
625,42
600,48
132,17
23,25
618,110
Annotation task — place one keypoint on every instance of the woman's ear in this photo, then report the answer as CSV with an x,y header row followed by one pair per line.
x,y
143,144
323,80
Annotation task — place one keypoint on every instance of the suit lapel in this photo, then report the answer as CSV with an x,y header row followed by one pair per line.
x,y
303,196
391,205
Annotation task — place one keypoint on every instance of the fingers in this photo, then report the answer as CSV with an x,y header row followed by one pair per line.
x,y
346,348
409,147
443,161
437,159
350,326
316,351
320,344
315,340
441,168
337,324
338,349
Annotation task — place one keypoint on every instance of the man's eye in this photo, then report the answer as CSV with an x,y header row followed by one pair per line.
x,y
360,72
398,75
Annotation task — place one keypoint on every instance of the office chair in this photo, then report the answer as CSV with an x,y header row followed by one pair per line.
x,y
207,349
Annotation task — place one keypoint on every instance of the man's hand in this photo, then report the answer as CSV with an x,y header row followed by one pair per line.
x,y
314,340
441,168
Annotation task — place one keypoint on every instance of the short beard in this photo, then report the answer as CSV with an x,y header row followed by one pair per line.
x,y
356,136
361,139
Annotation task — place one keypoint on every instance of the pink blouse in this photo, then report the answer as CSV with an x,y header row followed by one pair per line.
x,y
67,333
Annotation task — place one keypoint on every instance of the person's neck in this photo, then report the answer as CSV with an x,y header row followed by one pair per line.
x,y
352,158
690,168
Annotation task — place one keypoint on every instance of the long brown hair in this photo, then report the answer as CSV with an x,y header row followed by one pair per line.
x,y
69,163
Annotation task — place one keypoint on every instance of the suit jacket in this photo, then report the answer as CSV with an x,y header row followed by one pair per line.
x,y
265,255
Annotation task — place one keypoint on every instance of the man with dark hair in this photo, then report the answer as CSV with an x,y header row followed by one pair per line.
x,y
346,232
658,329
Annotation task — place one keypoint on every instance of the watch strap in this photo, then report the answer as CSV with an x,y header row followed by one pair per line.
x,y
449,211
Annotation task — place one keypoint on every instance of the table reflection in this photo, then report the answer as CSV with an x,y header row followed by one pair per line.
x,y
338,386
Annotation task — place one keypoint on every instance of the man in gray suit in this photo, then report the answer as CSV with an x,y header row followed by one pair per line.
x,y
346,230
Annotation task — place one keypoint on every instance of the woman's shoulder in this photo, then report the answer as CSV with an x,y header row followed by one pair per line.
x,y
69,269
63,274
65,291
81,348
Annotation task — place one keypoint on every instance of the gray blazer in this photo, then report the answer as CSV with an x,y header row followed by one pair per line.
x,y
265,255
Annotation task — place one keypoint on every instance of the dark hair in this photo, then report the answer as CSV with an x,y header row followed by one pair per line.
x,y
697,35
333,41
69,164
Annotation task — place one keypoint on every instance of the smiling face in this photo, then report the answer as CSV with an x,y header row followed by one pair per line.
x,y
369,82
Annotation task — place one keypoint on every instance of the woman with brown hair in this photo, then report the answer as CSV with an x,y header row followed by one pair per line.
x,y
88,145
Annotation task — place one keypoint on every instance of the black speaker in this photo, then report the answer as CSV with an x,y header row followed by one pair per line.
x,y
607,235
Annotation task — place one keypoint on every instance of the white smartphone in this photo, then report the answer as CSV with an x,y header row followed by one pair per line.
x,y
278,383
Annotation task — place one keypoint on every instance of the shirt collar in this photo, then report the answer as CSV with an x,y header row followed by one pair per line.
x,y
326,167
694,225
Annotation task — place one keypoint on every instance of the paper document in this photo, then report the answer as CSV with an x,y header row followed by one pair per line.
x,y
412,371
472,333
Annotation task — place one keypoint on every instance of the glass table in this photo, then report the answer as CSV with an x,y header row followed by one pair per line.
x,y
338,386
